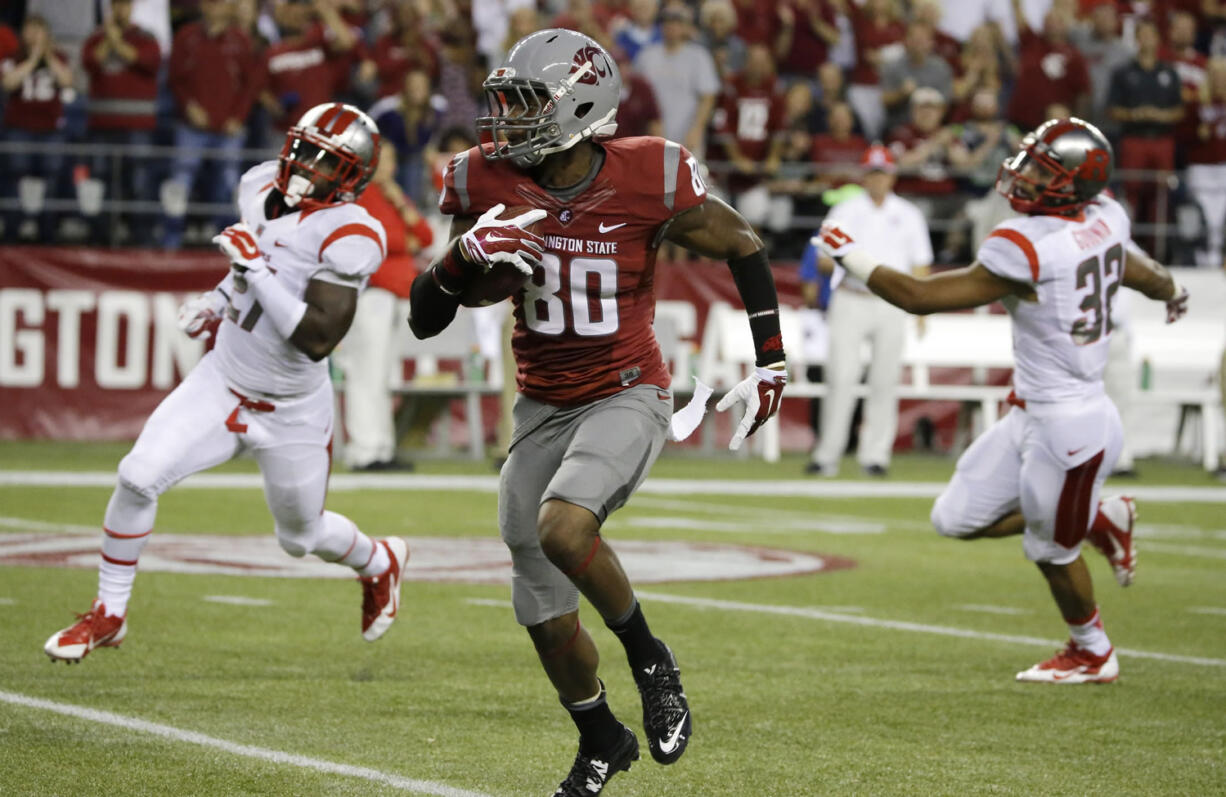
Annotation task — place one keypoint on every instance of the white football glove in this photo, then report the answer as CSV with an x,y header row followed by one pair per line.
x,y
201,313
837,244
494,240
238,243
762,392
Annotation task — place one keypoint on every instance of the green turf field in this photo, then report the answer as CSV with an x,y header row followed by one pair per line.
x,y
894,676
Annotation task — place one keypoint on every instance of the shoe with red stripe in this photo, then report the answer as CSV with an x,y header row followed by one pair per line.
x,y
1111,535
94,629
1074,666
381,593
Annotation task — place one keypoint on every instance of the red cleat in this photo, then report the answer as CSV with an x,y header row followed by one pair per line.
x,y
1074,666
381,593
94,629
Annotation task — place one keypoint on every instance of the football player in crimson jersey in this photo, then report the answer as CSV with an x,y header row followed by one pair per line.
x,y
594,404
1039,470
299,257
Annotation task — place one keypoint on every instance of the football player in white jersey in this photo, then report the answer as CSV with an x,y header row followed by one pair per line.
x,y
1039,470
299,257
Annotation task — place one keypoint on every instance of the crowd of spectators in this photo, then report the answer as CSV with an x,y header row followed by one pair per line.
x,y
170,98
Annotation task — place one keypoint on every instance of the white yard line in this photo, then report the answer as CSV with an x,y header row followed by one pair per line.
x,y
1196,551
236,600
274,756
812,613
990,609
1207,610
786,488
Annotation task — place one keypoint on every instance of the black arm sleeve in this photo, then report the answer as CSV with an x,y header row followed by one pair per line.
x,y
431,308
756,285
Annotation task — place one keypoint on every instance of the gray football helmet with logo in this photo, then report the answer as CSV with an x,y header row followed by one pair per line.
x,y
556,88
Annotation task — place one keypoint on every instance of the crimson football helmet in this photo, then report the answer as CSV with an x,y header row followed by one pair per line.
x,y
556,88
328,157
1058,169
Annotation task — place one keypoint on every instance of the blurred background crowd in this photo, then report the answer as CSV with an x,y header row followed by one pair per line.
x,y
128,122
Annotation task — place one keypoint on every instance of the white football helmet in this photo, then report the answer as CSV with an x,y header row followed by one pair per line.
x,y
328,157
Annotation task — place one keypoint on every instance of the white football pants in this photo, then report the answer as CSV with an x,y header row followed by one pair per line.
x,y
1048,460
853,318
202,423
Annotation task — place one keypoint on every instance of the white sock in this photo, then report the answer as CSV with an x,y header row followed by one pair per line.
x,y
117,570
341,541
1090,636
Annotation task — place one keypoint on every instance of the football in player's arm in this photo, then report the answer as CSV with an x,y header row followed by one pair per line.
x,y
594,406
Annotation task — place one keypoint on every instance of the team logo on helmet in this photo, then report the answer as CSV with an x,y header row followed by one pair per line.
x,y
595,56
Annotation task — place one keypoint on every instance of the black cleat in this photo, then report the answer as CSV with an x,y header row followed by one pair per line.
x,y
666,714
589,774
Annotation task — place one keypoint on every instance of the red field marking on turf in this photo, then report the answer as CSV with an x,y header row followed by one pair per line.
x,y
468,560
275,756
813,613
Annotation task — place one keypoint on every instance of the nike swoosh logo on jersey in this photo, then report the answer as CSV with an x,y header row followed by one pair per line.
x,y
278,243
1073,453
670,744
611,227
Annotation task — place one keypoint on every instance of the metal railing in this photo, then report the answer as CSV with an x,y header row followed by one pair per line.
x,y
118,161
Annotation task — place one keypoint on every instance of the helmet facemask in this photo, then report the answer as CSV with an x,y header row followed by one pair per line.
x,y
314,173
1034,182
523,122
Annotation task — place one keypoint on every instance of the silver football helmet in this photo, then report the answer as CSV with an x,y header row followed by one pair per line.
x,y
328,157
556,88
1059,168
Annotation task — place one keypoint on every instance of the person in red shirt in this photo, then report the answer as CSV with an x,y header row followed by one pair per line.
x,y
753,124
35,76
879,35
836,153
1206,154
212,76
807,30
366,354
122,62
638,113
403,49
1050,69
310,65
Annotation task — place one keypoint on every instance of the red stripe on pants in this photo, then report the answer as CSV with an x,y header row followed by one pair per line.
x,y
1073,510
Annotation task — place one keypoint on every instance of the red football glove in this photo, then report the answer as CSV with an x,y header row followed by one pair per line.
x,y
1177,305
494,240
762,392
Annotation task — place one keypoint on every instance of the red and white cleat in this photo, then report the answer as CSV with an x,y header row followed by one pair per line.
x,y
1074,666
1111,535
381,593
94,629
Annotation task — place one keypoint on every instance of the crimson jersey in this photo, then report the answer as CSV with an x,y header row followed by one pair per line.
x,y
583,322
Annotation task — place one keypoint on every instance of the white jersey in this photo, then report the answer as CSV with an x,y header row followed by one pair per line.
x,y
342,244
1075,266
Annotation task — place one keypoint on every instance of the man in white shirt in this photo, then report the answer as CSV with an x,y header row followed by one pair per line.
x,y
895,231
